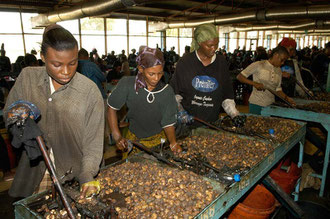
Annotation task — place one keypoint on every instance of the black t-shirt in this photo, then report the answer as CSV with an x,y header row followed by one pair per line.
x,y
203,88
320,67
288,84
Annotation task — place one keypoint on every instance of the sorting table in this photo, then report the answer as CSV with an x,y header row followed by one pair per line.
x,y
229,194
308,116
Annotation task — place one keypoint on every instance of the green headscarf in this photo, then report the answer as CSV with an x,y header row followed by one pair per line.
x,y
203,33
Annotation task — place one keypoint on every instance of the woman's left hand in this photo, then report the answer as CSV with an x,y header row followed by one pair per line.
x,y
176,148
291,101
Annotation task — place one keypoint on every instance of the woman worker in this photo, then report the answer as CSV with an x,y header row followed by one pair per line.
x,y
151,104
202,82
266,74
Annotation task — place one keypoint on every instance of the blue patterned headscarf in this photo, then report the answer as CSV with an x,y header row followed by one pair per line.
x,y
148,57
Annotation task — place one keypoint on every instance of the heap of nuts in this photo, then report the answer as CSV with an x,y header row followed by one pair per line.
x,y
319,107
283,128
154,191
223,150
321,96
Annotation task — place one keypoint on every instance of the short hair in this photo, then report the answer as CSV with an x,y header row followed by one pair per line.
x,y
30,60
279,50
58,38
327,45
83,53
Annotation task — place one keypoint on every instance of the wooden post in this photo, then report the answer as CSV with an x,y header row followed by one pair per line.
x,y
127,37
23,37
105,36
147,30
79,30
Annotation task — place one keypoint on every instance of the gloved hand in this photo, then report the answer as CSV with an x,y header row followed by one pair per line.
x,y
184,118
20,110
90,188
239,121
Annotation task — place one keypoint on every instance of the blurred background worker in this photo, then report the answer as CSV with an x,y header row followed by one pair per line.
x,y
291,70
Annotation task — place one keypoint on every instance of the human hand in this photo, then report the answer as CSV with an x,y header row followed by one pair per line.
x,y
122,144
176,148
239,121
184,118
286,74
259,86
291,101
89,189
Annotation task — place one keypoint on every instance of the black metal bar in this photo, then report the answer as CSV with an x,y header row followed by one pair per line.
x,y
315,79
282,197
208,124
52,172
285,101
303,88
158,156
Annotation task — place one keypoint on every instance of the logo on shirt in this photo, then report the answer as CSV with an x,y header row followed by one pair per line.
x,y
205,83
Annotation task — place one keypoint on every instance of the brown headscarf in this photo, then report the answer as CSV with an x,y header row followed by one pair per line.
x,y
148,57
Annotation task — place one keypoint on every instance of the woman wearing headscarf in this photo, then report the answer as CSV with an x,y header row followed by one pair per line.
x,y
201,80
151,104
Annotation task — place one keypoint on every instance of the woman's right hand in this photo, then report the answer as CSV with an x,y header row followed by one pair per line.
x,y
122,144
259,86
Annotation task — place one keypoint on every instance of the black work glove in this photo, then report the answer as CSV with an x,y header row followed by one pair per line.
x,y
239,121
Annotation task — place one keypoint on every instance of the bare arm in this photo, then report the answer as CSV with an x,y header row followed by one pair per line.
x,y
170,134
113,123
244,80
285,97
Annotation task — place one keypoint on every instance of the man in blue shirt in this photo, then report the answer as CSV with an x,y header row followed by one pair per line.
x,y
91,70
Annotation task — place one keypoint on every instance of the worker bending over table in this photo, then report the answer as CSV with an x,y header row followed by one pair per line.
x,y
266,74
151,104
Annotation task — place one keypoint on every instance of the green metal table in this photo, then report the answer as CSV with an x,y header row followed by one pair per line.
x,y
308,116
229,195
227,199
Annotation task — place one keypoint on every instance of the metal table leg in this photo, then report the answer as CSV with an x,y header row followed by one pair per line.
x,y
326,162
300,162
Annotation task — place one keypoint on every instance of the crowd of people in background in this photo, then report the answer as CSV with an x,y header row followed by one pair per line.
x,y
114,66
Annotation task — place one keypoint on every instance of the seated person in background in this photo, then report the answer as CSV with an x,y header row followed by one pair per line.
x,y
151,104
320,65
5,65
125,66
30,60
115,72
91,70
266,74
132,59
72,117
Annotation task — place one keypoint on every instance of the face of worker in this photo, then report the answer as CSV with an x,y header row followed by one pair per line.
x,y
291,50
279,59
208,48
61,65
152,75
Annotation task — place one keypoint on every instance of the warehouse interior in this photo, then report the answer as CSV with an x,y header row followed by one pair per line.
x,y
242,25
